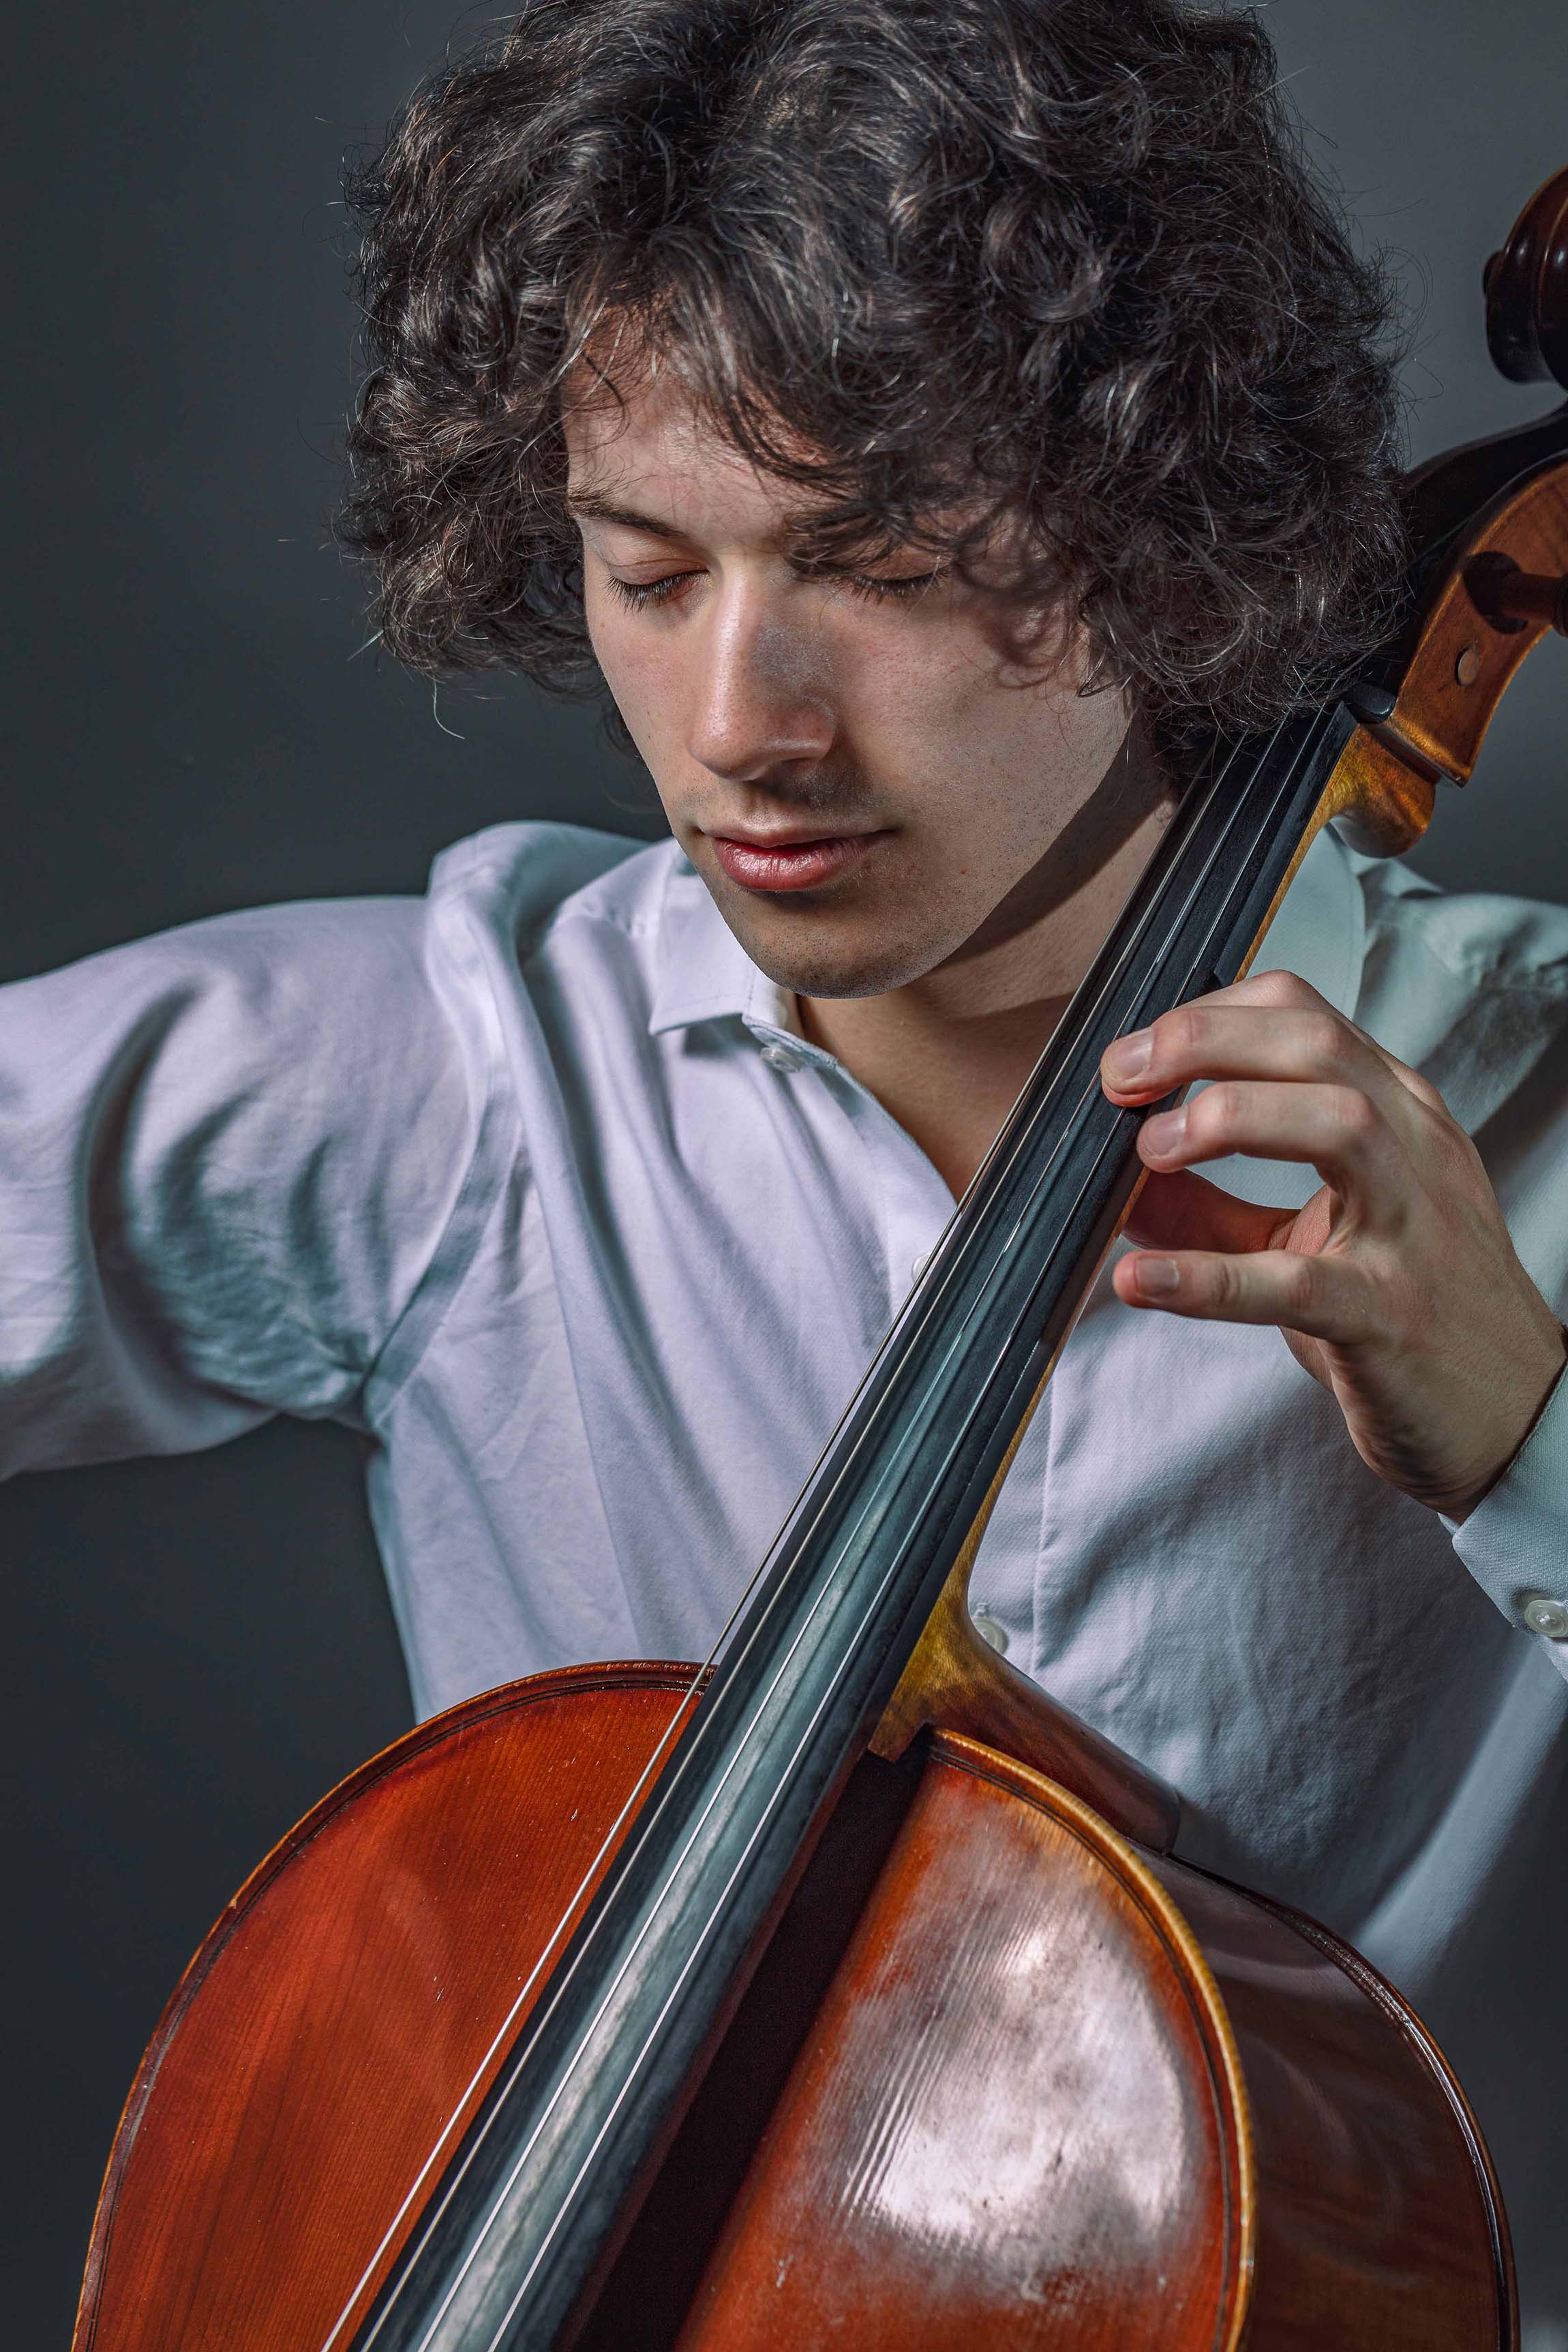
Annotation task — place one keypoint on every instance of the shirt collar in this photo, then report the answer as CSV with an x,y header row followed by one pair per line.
x,y
705,974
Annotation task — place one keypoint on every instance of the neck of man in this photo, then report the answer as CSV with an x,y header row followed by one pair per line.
x,y
948,1053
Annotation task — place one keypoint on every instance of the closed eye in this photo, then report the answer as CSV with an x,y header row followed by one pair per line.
x,y
640,594
914,583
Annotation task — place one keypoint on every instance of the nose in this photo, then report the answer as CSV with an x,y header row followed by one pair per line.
x,y
763,704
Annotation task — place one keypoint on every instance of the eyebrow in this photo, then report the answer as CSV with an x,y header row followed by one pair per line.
x,y
601,510
595,508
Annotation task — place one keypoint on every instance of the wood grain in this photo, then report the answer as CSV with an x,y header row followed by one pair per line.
x,y
1464,663
1018,2122
1001,2080
323,2036
1379,2218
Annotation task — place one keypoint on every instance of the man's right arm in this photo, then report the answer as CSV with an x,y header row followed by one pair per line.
x,y
228,1156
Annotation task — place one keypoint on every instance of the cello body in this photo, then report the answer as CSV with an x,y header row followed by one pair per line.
x,y
1001,2079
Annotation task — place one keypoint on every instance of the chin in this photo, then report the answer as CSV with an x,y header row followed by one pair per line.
x,y
848,966
850,942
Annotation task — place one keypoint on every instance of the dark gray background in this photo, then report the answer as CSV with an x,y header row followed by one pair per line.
x,y
199,1648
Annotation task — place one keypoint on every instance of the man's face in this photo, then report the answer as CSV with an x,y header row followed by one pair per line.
x,y
852,764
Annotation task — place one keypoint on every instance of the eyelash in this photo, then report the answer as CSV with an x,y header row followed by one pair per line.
x,y
640,594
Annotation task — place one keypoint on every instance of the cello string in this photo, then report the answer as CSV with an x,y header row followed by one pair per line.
x,y
677,1724
1106,1146
606,1847
673,1729
571,1910
906,1328
737,1761
504,2188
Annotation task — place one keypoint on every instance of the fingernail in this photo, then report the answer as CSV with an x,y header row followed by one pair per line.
x,y
1157,1276
1128,1058
1163,1133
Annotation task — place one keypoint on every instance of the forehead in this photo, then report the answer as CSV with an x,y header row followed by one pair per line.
x,y
643,442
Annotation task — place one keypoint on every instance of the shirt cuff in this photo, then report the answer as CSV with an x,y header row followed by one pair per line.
x,y
1515,1541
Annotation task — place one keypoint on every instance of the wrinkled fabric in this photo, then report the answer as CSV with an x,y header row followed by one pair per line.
x,y
503,1180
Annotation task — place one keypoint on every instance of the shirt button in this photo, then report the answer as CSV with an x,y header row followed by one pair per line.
x,y
779,1057
1544,1615
990,1631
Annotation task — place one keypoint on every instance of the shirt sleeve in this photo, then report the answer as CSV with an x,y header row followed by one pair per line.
x,y
1515,1541
228,1158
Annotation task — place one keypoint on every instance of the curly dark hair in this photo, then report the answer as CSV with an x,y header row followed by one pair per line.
x,y
1058,265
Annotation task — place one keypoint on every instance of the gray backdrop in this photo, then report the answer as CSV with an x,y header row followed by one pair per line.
x,y
199,1648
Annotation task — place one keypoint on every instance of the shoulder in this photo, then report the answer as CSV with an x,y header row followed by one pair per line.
x,y
328,990
250,1134
533,879
577,917
1483,943
1469,986
213,1004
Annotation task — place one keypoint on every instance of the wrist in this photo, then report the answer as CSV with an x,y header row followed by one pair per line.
x,y
1458,1512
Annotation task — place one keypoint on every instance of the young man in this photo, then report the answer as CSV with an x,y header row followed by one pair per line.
x,y
926,420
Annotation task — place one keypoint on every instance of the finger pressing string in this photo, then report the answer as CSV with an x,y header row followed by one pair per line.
x,y
1218,1038
1339,1130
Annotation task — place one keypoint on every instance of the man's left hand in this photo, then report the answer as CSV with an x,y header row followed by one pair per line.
x,y
1397,1285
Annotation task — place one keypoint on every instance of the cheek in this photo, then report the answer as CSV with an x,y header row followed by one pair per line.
x,y
1004,769
979,756
914,712
945,690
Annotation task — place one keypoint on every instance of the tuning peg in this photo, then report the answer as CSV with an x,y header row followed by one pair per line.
x,y
1511,599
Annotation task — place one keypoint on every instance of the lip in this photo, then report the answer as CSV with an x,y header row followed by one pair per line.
x,y
780,864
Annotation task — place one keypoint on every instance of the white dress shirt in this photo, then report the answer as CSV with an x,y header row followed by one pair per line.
x,y
535,1182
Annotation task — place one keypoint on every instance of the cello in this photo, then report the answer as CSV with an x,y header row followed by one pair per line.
x,y
847,1988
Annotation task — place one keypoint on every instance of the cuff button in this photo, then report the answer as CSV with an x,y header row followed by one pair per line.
x,y
1544,1615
